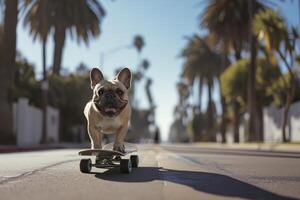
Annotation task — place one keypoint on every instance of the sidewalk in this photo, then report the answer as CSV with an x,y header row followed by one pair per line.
x,y
292,147
14,148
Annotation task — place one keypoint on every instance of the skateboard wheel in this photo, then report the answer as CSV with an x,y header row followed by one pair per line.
x,y
85,165
134,160
125,166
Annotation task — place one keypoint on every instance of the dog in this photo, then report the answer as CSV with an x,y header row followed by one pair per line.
x,y
109,111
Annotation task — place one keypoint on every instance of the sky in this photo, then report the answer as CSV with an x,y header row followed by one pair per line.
x,y
163,25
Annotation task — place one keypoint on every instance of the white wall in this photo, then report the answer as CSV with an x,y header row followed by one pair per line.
x,y
273,121
28,123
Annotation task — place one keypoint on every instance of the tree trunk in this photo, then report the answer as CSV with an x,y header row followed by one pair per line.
x,y
290,97
223,101
224,111
44,56
236,109
236,121
237,55
7,70
200,93
223,122
284,123
44,88
290,88
59,39
209,109
209,112
251,98
260,123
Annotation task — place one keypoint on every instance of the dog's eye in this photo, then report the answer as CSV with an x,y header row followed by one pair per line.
x,y
100,92
120,92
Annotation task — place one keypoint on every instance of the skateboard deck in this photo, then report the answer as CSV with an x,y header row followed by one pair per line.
x,y
107,150
103,152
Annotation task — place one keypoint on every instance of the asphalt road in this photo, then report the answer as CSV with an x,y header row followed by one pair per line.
x,y
165,172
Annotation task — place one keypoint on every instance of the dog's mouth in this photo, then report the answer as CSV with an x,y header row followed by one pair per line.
x,y
110,110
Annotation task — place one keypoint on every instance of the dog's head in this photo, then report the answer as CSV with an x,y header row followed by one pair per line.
x,y
110,96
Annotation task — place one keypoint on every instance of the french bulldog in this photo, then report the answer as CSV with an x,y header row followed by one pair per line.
x,y
109,110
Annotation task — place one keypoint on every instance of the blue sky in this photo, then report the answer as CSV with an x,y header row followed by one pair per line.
x,y
162,23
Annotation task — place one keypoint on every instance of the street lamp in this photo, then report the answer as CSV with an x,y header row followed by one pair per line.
x,y
111,52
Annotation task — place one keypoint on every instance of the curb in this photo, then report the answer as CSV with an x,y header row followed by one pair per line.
x,y
15,149
253,146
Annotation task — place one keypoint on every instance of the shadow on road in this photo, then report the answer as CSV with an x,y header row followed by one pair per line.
x,y
211,183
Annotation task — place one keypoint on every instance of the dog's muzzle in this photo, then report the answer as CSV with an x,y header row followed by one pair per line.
x,y
110,105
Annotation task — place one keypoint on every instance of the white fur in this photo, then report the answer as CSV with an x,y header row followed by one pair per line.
x,y
108,124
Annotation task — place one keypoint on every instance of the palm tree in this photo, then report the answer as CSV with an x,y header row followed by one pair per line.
x,y
81,17
7,67
138,43
77,17
191,69
230,22
271,27
222,49
38,20
203,64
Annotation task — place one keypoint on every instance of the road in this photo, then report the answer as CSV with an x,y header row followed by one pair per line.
x,y
166,172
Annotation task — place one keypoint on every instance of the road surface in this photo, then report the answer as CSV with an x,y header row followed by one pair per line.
x,y
166,172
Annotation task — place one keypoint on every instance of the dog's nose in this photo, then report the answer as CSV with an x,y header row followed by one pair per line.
x,y
109,95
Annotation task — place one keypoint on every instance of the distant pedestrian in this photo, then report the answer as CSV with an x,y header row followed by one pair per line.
x,y
157,136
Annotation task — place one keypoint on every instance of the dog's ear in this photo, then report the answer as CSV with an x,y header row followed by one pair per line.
x,y
95,76
124,76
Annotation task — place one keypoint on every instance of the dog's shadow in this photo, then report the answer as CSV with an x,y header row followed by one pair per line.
x,y
211,183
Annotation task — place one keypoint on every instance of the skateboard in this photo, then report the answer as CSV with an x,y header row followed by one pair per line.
x,y
107,158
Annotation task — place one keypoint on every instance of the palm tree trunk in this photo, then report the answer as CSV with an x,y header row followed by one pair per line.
x,y
209,111
224,111
200,93
223,101
252,104
44,95
290,96
7,70
289,99
223,121
237,55
236,108
251,96
59,39
209,105
44,49
260,122
236,121
284,122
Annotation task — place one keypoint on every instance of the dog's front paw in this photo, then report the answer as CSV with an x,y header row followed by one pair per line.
x,y
119,147
96,146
